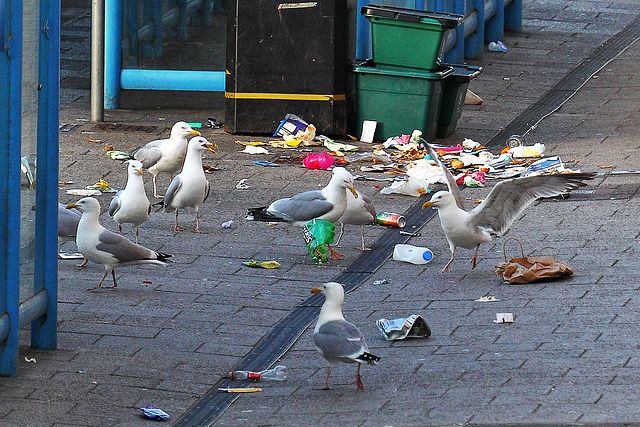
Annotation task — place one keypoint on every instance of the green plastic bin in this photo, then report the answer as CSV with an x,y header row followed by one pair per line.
x,y
455,90
407,38
400,101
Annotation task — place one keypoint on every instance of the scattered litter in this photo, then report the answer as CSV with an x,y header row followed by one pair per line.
x,y
102,186
471,98
147,282
368,130
261,264
213,123
70,255
387,218
279,373
322,160
522,151
118,155
409,233
65,127
242,184
291,125
195,125
411,187
94,140
412,254
380,282
413,326
212,169
227,224
240,390
154,413
331,145
84,193
488,298
109,147
317,233
498,47
263,163
252,149
251,143
30,360
25,167
544,166
504,318
81,372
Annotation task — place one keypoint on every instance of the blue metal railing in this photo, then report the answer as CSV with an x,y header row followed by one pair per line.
x,y
40,309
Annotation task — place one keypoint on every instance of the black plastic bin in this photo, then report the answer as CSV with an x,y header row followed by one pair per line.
x,y
286,58
455,90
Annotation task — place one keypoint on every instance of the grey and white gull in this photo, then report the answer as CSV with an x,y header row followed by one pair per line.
x,y
131,205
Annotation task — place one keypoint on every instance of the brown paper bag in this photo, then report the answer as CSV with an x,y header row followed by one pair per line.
x,y
532,269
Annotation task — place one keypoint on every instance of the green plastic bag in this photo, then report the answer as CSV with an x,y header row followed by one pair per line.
x,y
317,233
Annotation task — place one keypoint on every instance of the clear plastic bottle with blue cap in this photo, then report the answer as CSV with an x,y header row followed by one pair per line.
x,y
412,254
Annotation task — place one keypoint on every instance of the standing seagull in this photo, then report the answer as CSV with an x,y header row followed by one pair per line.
x,y
166,155
359,211
190,187
68,220
493,217
102,246
328,204
131,205
336,339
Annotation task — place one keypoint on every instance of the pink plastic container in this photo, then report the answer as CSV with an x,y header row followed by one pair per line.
x,y
318,160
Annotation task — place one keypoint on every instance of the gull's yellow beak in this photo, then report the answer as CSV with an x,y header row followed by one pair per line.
x,y
71,206
210,147
316,291
140,171
427,205
353,191
194,132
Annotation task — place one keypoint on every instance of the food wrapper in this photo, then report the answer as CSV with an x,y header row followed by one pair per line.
x,y
413,326
318,233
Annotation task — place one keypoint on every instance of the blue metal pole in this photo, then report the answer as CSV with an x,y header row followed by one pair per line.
x,y
143,79
112,52
43,330
494,21
10,130
474,43
363,33
513,15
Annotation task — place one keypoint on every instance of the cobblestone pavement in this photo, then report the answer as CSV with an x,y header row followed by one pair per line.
x,y
168,334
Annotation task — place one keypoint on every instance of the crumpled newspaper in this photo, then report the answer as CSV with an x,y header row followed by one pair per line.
x,y
413,326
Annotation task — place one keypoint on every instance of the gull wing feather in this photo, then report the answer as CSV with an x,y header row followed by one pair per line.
x,y
207,188
339,340
124,250
301,207
175,185
115,204
150,154
509,198
451,181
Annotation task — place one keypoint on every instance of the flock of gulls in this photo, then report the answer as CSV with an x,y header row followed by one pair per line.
x,y
336,339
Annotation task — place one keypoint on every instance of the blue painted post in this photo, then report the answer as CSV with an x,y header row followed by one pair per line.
x,y
494,26
363,33
456,55
474,42
44,329
10,132
112,52
513,16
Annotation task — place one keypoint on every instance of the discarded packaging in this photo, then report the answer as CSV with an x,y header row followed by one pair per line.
x,y
261,264
154,413
252,149
291,125
414,187
195,125
488,298
531,269
102,186
67,255
331,145
227,224
213,123
242,184
412,254
387,218
526,151
413,326
263,163
542,166
380,282
83,193
240,390
498,47
118,155
504,318
279,373
318,233
368,130
322,160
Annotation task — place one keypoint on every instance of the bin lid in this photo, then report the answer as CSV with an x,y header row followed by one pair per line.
x,y
370,67
447,20
464,73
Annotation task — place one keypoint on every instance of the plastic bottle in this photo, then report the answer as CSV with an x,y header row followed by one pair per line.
x,y
278,373
412,254
498,47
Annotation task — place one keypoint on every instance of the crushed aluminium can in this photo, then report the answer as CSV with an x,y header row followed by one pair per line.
x,y
387,218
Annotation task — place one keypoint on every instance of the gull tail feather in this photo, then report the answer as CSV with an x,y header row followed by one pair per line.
x,y
261,214
369,358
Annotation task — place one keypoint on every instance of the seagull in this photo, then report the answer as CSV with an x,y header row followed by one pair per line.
x,y
68,220
166,155
336,339
102,246
190,187
131,205
328,204
493,217
359,211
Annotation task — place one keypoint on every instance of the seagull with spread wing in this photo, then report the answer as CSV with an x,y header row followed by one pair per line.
x,y
493,217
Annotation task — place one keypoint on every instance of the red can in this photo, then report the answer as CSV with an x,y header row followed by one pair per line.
x,y
387,218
